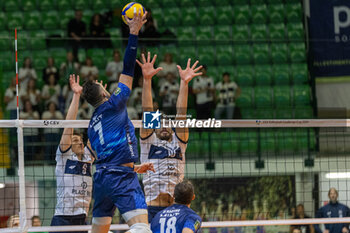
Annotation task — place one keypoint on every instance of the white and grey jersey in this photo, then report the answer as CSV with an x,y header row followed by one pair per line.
x,y
74,182
168,159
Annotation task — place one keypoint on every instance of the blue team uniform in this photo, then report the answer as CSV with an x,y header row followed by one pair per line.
x,y
333,210
112,136
175,218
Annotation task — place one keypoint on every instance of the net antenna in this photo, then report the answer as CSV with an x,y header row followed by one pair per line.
x,y
22,193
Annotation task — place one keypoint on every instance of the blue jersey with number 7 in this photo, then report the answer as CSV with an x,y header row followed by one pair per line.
x,y
174,219
111,133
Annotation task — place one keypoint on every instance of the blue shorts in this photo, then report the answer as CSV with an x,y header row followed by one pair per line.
x,y
153,210
69,220
116,187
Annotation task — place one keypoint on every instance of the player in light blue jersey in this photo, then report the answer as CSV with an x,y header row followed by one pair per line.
x,y
178,218
164,147
112,136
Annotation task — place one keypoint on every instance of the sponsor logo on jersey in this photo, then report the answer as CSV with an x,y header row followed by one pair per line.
x,y
197,225
117,91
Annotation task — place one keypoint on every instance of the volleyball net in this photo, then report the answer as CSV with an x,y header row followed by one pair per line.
x,y
249,175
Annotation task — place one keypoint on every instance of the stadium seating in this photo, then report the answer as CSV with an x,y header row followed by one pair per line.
x,y
260,43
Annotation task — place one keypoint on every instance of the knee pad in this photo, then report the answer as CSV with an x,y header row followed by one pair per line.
x,y
140,228
102,221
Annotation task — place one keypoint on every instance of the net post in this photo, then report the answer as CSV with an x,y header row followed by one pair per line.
x,y
19,125
22,191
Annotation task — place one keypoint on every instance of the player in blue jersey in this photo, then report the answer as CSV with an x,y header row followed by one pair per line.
x,y
178,218
112,136
164,147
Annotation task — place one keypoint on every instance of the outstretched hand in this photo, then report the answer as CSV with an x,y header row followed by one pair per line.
x,y
190,72
147,66
74,84
144,167
136,23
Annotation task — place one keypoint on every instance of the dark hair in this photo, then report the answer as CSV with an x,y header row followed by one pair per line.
x,y
92,93
79,135
34,217
225,73
204,67
184,192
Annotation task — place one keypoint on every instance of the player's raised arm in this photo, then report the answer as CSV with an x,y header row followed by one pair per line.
x,y
148,72
186,76
135,25
66,139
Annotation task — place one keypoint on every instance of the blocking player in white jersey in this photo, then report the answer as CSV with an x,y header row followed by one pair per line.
x,y
73,170
164,147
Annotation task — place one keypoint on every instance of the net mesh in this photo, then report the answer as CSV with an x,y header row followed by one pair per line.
x,y
245,171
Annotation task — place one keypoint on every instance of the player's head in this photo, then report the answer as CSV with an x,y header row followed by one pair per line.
x,y
77,144
36,222
94,93
163,133
333,195
296,230
226,77
184,193
13,221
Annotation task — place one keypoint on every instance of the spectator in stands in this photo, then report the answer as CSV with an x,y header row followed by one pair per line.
x,y
69,67
204,89
300,214
32,93
50,69
114,68
97,31
26,73
51,91
227,92
168,67
51,135
89,71
36,221
333,209
11,100
149,31
30,135
297,230
76,31
169,91
13,221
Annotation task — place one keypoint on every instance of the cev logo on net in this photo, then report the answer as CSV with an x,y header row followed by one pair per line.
x,y
152,120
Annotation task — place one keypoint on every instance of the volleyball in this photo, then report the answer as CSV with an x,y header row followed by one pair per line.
x,y
129,10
